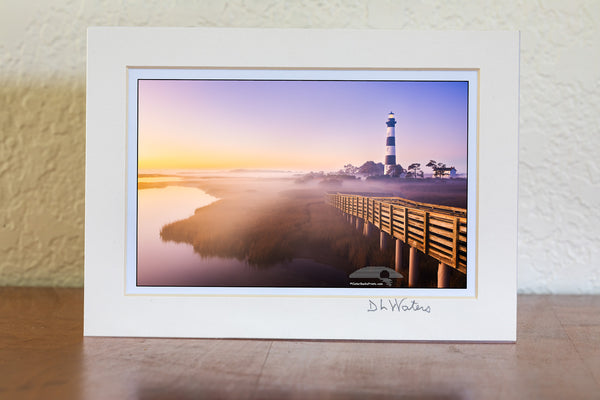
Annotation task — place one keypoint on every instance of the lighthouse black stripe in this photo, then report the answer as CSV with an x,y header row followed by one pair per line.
x,y
390,160
391,141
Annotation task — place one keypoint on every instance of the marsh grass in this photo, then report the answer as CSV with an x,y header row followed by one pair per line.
x,y
296,224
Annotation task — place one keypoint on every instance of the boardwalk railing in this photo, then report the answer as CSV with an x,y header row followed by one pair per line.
x,y
438,231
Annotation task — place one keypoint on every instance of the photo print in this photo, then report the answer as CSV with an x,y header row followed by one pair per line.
x,y
285,182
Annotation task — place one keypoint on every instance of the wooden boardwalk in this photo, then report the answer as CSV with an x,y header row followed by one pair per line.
x,y
438,231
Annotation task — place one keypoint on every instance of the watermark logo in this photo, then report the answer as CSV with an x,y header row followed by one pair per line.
x,y
374,276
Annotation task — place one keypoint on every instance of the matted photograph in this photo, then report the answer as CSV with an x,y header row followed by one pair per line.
x,y
301,184
310,179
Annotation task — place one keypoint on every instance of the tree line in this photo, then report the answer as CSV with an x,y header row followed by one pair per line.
x,y
373,169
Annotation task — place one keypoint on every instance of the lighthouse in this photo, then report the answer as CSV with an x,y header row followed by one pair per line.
x,y
390,143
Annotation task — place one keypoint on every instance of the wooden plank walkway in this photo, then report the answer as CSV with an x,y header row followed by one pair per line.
x,y
438,231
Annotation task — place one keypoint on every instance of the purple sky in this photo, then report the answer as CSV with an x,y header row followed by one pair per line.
x,y
299,125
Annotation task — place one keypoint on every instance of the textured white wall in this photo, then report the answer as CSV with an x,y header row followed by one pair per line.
x,y
42,118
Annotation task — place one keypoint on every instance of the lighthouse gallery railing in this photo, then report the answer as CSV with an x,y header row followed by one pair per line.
x,y
438,231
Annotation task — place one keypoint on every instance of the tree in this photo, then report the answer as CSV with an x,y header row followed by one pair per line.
x,y
439,169
350,169
414,170
432,164
395,170
371,169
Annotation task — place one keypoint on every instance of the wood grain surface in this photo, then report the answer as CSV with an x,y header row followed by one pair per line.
x,y
44,356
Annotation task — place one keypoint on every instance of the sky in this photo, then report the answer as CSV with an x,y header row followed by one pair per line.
x,y
298,125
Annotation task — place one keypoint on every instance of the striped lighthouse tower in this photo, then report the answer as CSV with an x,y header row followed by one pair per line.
x,y
390,143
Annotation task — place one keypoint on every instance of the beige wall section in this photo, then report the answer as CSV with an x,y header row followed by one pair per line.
x,y
42,119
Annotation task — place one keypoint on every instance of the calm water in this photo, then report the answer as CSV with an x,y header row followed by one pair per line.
x,y
176,264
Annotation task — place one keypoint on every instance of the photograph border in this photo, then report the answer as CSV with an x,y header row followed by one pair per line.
x,y
345,75
489,315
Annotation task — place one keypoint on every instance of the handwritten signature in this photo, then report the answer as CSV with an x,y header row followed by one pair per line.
x,y
395,305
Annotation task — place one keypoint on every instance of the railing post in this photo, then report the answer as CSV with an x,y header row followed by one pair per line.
x,y
413,268
362,208
455,234
426,233
392,223
443,276
405,224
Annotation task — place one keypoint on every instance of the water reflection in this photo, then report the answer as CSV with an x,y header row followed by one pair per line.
x,y
157,207
166,263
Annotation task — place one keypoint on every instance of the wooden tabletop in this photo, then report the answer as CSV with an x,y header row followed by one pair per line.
x,y
44,356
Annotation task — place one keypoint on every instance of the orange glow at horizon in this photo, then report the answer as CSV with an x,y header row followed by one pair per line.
x,y
218,161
